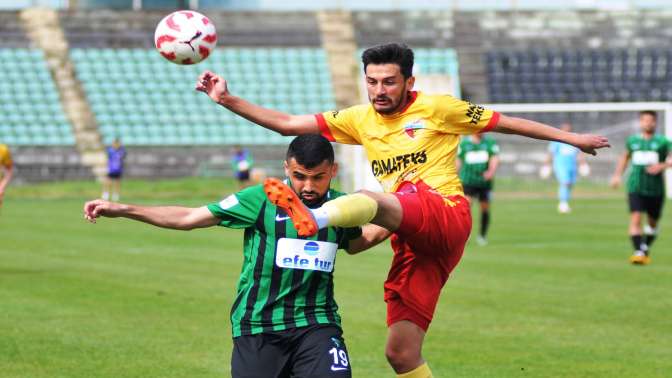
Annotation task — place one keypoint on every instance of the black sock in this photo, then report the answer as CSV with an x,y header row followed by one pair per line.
x,y
636,242
648,239
485,222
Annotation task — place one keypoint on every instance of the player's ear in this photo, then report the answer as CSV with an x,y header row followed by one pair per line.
x,y
410,82
286,166
334,169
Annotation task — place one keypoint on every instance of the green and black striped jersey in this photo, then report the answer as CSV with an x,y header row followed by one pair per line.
x,y
475,158
644,152
285,282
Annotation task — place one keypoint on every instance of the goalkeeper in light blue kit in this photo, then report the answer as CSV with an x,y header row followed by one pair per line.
x,y
567,160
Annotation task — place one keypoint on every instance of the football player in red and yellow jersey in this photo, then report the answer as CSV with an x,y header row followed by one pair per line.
x,y
6,169
411,140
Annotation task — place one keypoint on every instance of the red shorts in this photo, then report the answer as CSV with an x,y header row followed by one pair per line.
x,y
427,246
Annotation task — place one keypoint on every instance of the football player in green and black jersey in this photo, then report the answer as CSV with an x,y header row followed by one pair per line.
x,y
285,320
478,162
647,153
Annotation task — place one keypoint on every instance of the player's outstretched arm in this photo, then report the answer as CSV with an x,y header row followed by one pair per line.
x,y
587,143
286,124
174,217
371,235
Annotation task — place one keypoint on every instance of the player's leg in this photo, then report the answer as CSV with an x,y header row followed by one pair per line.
x,y
351,210
116,188
636,205
404,350
654,208
484,203
321,353
564,178
427,246
261,355
106,188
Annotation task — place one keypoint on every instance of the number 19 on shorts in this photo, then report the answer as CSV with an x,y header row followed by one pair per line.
x,y
340,359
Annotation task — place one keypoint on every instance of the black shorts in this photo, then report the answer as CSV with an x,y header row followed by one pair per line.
x,y
483,194
653,206
308,352
243,175
114,175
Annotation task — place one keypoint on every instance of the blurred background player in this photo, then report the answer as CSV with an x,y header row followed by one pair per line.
x,y
116,153
565,160
648,154
478,162
6,170
241,163
276,294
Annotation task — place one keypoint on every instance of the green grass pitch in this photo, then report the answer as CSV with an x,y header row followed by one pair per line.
x,y
550,296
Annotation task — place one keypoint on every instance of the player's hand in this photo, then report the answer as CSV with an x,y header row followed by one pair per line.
x,y
488,175
615,181
101,208
655,169
213,85
590,143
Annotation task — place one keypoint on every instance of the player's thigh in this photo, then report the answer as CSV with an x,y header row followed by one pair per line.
x,y
322,353
484,195
390,211
635,203
254,357
654,206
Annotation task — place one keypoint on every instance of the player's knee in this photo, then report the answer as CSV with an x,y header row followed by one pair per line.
x,y
402,357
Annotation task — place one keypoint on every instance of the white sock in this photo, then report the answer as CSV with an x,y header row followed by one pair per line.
x,y
321,217
115,197
106,195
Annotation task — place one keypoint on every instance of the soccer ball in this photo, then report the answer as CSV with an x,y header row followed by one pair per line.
x,y
185,37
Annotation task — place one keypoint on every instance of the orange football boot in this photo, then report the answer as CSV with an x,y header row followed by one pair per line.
x,y
285,198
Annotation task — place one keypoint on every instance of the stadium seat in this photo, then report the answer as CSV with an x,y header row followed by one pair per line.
x,y
35,103
115,82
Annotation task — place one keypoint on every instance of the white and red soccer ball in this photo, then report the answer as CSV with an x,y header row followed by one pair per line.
x,y
185,37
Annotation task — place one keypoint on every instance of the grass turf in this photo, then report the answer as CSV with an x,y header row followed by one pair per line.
x,y
550,296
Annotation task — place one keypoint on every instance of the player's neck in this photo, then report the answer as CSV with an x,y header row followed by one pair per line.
x,y
403,105
646,135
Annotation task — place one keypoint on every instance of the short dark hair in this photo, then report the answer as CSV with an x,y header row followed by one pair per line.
x,y
396,53
310,150
649,112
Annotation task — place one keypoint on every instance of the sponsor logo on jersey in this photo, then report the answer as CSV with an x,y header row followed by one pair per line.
x,y
412,127
307,255
397,163
228,202
311,248
279,218
475,112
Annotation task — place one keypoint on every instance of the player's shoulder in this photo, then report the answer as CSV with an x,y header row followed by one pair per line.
x,y
352,112
254,192
634,138
659,138
333,194
437,100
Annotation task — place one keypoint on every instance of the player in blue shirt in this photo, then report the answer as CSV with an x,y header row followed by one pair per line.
x,y
565,160
241,164
115,169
